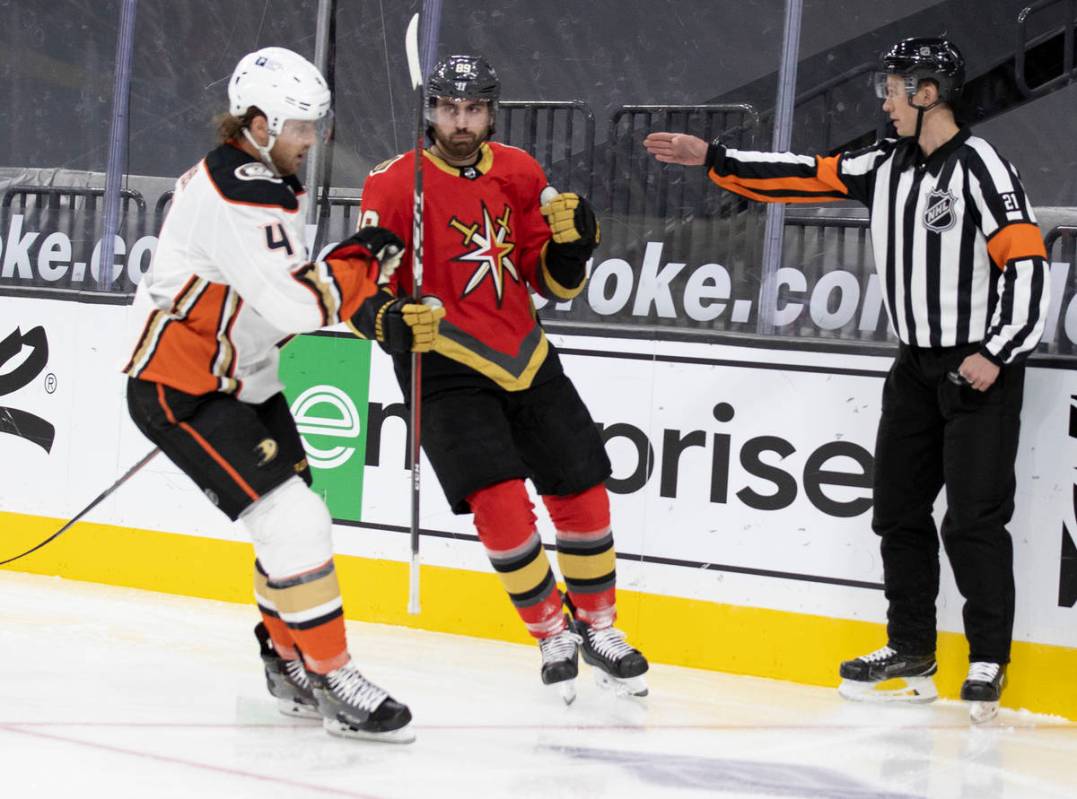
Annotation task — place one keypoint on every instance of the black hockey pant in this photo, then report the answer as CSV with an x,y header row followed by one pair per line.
x,y
932,433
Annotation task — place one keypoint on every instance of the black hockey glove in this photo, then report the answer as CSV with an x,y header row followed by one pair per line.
x,y
384,245
403,325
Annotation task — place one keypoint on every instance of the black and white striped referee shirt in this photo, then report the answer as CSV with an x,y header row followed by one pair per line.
x,y
959,256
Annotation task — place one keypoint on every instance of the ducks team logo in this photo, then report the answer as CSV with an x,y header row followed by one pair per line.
x,y
941,212
267,449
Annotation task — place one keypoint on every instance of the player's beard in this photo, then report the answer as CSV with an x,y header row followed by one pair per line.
x,y
459,146
287,163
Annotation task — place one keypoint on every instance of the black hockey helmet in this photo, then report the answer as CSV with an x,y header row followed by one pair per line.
x,y
467,77
924,58
463,77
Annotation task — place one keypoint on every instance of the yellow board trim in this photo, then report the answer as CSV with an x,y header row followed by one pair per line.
x,y
742,640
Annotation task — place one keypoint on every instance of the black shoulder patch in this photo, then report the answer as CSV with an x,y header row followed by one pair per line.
x,y
243,179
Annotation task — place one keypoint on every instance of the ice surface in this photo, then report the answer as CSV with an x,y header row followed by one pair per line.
x,y
114,692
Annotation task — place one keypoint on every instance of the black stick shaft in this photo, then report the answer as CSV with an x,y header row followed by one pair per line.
x,y
430,18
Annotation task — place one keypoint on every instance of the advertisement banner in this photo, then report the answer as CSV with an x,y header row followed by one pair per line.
x,y
741,475
327,380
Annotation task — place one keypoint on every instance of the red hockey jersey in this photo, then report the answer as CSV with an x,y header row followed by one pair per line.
x,y
484,242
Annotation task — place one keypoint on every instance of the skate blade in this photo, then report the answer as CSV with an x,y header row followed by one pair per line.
x,y
297,709
915,690
627,686
566,689
404,735
982,712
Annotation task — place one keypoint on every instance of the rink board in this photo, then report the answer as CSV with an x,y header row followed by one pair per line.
x,y
740,497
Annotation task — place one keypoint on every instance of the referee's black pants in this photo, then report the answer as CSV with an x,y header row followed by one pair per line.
x,y
934,433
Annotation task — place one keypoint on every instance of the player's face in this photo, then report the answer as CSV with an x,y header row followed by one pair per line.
x,y
897,107
460,126
296,138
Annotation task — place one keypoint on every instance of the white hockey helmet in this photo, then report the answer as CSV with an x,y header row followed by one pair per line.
x,y
282,84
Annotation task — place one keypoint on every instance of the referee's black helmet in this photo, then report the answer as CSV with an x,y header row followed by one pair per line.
x,y
922,58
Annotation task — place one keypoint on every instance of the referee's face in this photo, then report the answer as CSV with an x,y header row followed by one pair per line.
x,y
897,107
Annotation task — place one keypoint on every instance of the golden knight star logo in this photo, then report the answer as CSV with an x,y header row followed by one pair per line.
x,y
491,247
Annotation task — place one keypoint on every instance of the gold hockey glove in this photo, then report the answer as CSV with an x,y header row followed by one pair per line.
x,y
572,221
404,325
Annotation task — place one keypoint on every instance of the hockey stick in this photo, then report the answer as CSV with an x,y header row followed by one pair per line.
x,y
431,19
149,456
324,170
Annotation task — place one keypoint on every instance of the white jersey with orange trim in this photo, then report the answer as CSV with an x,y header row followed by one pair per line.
x,y
230,282
937,226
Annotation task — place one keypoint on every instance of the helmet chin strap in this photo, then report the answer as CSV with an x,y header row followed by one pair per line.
x,y
263,152
920,111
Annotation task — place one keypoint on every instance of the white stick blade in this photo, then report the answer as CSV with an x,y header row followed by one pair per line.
x,y
411,46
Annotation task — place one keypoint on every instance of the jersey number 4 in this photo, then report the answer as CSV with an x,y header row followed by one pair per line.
x,y
277,238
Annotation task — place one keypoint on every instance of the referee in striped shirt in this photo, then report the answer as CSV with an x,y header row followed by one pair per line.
x,y
963,270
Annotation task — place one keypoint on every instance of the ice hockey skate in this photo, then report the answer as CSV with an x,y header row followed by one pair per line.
x,y
617,665
982,689
353,707
560,662
287,680
888,676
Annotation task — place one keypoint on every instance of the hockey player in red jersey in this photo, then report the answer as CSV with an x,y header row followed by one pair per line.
x,y
497,407
230,282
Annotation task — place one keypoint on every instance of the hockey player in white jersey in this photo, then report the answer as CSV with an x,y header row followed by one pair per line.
x,y
229,284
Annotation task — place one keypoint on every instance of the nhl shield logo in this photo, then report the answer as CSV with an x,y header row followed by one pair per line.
x,y
941,212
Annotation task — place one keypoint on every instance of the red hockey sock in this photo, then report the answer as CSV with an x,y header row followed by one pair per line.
x,y
585,553
505,521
